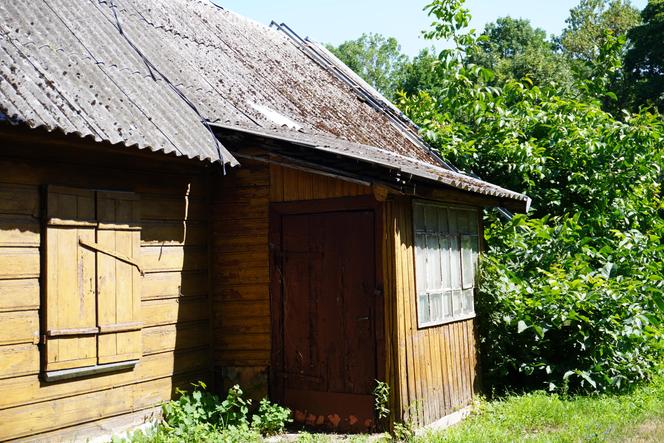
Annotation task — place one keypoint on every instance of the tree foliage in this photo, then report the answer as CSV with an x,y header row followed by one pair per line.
x,y
589,22
573,292
514,50
375,58
645,60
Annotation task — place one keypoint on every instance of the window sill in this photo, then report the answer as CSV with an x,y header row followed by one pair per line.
x,y
66,374
447,321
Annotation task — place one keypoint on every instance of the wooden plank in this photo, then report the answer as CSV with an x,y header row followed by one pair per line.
x,y
17,360
247,275
18,263
242,292
35,418
174,285
175,338
18,199
171,311
93,430
19,327
244,309
174,233
20,391
257,244
251,259
174,258
19,231
18,295
276,183
160,207
247,342
229,327
224,357
446,370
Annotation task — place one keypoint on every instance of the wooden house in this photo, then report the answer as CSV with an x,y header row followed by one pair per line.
x,y
188,195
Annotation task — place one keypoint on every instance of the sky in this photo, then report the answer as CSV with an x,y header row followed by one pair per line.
x,y
335,21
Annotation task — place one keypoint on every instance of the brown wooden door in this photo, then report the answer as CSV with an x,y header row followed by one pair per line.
x,y
326,366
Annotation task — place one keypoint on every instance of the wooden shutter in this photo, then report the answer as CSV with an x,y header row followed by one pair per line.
x,y
71,327
118,277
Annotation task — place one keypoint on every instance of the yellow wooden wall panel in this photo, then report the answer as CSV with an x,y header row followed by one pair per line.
x,y
183,353
30,389
22,231
176,338
18,199
34,418
174,285
173,258
17,360
19,327
436,366
171,311
18,263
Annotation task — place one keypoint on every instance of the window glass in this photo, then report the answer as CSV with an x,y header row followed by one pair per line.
x,y
446,252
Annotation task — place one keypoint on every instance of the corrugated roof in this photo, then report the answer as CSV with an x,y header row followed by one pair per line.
x,y
408,166
125,71
155,74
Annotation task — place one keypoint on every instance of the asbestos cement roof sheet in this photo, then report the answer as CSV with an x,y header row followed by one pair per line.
x,y
408,166
150,73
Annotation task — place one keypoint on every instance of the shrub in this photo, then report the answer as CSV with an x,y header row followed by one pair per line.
x,y
572,294
200,415
270,418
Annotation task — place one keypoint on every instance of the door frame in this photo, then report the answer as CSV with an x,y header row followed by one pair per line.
x,y
341,204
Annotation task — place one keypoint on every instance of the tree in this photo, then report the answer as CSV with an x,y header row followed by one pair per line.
x,y
513,49
375,58
589,22
644,61
420,74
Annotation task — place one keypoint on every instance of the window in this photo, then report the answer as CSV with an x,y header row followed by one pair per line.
x,y
92,279
446,254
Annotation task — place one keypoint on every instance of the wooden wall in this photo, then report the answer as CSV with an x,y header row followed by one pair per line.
x,y
241,297
175,301
434,369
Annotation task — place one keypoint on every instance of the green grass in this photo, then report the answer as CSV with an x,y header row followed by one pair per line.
x,y
542,417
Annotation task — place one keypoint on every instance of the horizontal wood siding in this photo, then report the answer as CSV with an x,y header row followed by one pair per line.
x,y
434,369
175,302
241,298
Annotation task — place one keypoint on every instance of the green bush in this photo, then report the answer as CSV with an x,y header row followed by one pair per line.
x,y
270,418
572,294
201,416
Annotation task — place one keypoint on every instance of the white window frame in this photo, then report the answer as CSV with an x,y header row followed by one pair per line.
x,y
456,291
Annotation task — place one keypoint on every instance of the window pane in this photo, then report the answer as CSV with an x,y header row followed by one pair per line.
x,y
442,221
468,301
423,309
420,263
434,281
431,218
418,215
452,221
466,222
468,265
436,302
445,262
455,263
457,303
447,304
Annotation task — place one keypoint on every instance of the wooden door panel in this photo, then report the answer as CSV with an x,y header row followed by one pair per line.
x,y
328,331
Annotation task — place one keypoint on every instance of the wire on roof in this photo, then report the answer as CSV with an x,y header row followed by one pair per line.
x,y
152,69
373,98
